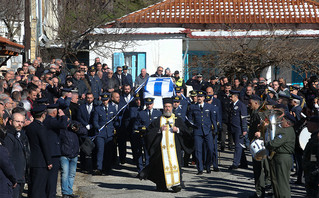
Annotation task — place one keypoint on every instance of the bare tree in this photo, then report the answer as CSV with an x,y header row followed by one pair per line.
x,y
11,13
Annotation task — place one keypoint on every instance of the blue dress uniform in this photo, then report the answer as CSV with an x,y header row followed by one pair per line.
x,y
218,117
128,77
104,138
238,126
180,110
205,120
183,100
40,157
54,126
96,85
136,138
143,120
64,103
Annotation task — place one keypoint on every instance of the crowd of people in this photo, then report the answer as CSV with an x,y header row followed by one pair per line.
x,y
53,117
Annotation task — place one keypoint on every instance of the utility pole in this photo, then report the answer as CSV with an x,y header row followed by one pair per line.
x,y
27,29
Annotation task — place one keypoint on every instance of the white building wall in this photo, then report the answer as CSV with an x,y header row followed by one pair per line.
x,y
159,52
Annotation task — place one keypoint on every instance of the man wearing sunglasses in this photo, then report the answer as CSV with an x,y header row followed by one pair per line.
x,y
159,72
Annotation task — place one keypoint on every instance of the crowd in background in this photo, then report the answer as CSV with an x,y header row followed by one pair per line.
x,y
47,112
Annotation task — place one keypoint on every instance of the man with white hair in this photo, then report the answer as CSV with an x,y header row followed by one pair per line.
x,y
141,78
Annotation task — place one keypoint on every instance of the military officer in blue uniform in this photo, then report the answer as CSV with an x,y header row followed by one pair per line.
x,y
104,134
179,110
136,138
238,128
95,83
65,100
128,77
183,102
54,122
218,115
143,120
204,118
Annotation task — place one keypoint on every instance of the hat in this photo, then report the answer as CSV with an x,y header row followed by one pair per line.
x,y
149,100
167,100
283,95
178,89
289,117
291,88
271,90
66,89
42,100
105,96
199,75
313,119
137,96
234,92
125,67
176,99
201,93
92,69
293,96
176,72
38,109
255,97
53,106
208,98
193,93
214,77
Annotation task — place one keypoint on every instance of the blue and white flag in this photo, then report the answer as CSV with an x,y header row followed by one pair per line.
x,y
158,88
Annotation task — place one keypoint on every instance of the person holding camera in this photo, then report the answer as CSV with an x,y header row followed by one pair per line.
x,y
69,156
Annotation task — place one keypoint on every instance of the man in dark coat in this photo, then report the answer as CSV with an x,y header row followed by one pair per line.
x,y
40,153
129,79
7,172
166,130
14,142
54,122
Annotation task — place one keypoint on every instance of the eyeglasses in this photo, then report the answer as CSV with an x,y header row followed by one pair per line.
x,y
119,70
160,70
17,121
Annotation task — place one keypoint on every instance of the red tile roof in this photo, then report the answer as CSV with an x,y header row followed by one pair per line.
x,y
226,11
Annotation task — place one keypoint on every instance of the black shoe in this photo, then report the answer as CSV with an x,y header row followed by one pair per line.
x,y
199,173
65,196
123,162
97,172
222,148
74,196
256,196
233,167
216,169
177,188
208,171
243,166
160,189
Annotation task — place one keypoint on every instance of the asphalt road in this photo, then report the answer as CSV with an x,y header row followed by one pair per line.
x,y
123,183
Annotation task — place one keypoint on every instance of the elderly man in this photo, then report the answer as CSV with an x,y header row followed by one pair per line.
x,y
141,78
165,138
109,83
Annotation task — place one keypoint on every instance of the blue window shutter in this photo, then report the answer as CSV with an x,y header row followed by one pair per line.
x,y
133,71
141,62
118,60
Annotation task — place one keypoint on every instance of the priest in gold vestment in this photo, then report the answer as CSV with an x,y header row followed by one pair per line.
x,y
165,139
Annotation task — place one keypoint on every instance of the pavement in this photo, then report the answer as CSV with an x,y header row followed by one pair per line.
x,y
122,182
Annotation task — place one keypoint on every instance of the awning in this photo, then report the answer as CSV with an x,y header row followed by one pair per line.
x,y
9,48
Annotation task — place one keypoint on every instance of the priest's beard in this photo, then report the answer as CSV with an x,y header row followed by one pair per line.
x,y
167,114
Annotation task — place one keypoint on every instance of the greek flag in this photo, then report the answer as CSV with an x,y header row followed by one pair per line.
x,y
163,87
158,88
